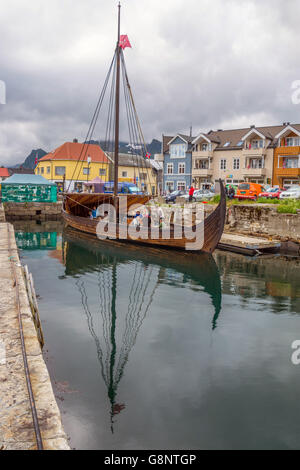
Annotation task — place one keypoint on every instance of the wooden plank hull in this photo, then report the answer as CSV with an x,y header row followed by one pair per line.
x,y
212,227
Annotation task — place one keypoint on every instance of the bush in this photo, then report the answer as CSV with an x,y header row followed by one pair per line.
x,y
215,199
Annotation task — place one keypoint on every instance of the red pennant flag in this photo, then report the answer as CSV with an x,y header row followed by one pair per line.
x,y
124,41
36,160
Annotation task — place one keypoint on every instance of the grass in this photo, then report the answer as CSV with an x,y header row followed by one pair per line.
x,y
284,206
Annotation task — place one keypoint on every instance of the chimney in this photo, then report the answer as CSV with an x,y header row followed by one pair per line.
x,y
75,141
220,130
252,127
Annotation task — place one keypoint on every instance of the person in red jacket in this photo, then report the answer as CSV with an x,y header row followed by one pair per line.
x,y
191,193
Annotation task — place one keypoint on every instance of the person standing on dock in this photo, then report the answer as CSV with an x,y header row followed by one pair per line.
x,y
191,193
231,192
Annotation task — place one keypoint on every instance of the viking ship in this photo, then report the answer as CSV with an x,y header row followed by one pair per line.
x,y
78,206
114,326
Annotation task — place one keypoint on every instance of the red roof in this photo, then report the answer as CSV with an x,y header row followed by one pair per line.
x,y
4,173
76,151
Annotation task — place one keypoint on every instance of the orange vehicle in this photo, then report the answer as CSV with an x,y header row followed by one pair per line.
x,y
248,191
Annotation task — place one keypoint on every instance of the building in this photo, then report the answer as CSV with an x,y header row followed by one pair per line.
x,y
177,153
4,173
254,154
74,164
286,169
136,169
28,188
20,171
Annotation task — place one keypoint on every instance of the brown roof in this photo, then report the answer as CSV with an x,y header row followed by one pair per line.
x,y
166,140
76,151
234,136
21,171
127,159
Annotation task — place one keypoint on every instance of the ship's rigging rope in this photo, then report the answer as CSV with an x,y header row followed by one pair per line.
x,y
138,150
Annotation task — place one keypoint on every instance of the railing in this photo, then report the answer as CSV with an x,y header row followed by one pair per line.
x,y
254,171
202,171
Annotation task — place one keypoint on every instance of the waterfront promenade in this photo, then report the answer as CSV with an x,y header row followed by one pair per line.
x,y
18,428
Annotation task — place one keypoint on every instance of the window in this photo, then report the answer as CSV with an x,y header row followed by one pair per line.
x,y
181,185
290,163
181,168
143,176
60,170
178,150
48,170
223,164
257,144
170,168
204,147
255,163
102,172
226,144
292,142
42,170
38,170
86,171
170,186
124,174
236,163
240,143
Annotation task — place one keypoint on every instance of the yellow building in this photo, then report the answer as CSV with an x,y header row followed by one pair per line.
x,y
75,164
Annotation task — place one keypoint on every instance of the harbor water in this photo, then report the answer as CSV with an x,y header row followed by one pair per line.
x,y
151,349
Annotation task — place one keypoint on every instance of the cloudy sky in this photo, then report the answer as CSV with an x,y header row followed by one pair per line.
x,y
209,63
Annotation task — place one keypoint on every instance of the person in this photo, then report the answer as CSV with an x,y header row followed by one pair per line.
x,y
94,212
137,218
191,193
231,192
91,215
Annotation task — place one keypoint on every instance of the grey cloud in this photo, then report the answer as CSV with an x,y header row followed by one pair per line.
x,y
210,63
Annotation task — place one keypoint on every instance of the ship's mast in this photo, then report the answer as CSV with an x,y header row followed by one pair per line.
x,y
117,111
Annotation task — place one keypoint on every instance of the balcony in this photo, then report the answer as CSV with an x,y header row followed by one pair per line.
x,y
203,172
253,152
288,172
203,154
254,172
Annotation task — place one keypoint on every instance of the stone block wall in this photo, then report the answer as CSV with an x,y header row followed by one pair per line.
x,y
32,210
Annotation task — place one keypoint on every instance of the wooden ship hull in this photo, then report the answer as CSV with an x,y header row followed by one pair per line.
x,y
76,214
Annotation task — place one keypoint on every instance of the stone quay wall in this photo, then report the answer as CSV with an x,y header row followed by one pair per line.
x,y
32,210
262,220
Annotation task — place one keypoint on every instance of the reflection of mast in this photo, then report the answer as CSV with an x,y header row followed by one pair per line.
x,y
112,363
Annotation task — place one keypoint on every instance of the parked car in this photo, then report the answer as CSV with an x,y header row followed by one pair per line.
x,y
172,197
272,193
248,191
200,195
292,193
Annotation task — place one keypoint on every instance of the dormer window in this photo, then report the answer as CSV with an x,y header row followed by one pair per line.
x,y
257,144
292,141
178,150
226,144
240,143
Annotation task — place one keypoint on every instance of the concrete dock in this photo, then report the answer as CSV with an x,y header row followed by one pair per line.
x,y
18,429
245,244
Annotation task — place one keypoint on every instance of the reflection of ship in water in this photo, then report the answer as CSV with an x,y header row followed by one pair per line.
x,y
121,316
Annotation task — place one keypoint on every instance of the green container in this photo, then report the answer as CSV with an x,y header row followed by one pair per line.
x,y
28,193
28,188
